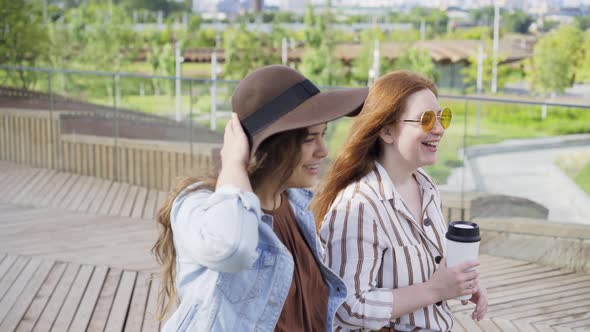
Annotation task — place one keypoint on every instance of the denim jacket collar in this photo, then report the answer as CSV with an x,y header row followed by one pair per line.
x,y
299,199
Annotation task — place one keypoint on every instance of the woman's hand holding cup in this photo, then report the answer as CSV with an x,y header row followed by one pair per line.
x,y
452,282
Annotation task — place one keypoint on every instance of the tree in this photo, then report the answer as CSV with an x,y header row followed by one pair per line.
x,y
319,63
166,6
582,22
103,35
517,21
417,60
23,40
555,58
505,72
583,68
436,20
482,16
246,51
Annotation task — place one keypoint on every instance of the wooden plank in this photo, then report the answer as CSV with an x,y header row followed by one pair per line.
x,y
54,188
137,162
96,185
89,300
85,159
151,170
57,299
100,196
66,156
127,207
75,191
138,303
130,165
526,278
105,301
150,323
118,315
36,197
166,171
574,325
468,324
91,160
20,181
33,186
110,163
150,205
109,198
78,158
546,321
6,264
64,190
26,186
84,190
28,132
119,200
541,306
12,273
139,203
158,169
104,165
13,293
25,300
70,306
144,166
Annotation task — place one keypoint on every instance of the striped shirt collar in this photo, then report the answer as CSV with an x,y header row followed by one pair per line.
x,y
380,181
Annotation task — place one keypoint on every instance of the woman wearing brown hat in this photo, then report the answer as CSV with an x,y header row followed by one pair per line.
x,y
382,219
239,250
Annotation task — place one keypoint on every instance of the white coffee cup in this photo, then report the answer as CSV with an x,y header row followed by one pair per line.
x,y
462,244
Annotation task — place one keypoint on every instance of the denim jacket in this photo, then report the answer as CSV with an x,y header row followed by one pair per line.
x,y
232,272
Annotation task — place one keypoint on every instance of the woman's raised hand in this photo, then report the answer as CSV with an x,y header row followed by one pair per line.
x,y
235,150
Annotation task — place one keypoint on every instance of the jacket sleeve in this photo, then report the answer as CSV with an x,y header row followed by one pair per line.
x,y
218,229
354,250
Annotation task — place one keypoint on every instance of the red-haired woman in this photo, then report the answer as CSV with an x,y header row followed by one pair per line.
x,y
382,219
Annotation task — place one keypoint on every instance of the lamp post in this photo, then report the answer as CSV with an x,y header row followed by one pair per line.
x,y
179,59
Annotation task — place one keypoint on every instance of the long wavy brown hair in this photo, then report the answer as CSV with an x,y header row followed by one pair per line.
x,y
383,106
275,158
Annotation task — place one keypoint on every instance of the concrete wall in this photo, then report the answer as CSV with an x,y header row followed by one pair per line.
x,y
536,240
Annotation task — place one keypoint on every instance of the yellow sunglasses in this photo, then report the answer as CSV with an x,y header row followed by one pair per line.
x,y
428,119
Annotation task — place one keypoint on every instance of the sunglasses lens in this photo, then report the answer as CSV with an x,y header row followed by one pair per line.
x,y
445,117
428,120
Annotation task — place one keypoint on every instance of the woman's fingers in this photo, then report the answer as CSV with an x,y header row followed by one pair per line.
x,y
468,265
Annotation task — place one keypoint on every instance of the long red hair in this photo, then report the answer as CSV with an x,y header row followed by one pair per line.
x,y
383,106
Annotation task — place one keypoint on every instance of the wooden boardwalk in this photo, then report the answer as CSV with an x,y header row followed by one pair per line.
x,y
74,256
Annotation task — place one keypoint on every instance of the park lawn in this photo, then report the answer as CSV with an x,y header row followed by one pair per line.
x,y
189,69
582,179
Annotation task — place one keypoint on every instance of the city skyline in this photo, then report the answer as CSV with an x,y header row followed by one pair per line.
x,y
298,5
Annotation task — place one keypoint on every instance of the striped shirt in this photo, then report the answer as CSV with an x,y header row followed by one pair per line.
x,y
376,245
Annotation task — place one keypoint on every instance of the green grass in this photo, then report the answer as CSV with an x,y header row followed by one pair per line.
x,y
576,165
189,69
582,179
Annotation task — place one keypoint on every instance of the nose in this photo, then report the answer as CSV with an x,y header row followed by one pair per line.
x,y
321,150
438,129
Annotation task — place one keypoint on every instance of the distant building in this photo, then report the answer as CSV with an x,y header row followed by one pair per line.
x,y
257,5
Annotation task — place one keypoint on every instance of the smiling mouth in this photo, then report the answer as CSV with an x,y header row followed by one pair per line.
x,y
431,144
312,167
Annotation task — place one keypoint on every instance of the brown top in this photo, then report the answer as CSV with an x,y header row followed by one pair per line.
x,y
306,304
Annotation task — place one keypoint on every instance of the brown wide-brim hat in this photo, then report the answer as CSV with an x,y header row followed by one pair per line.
x,y
277,98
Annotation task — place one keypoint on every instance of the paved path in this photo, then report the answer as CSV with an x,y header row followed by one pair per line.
x,y
526,168
66,265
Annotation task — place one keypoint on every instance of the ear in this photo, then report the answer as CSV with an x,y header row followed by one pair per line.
x,y
386,134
